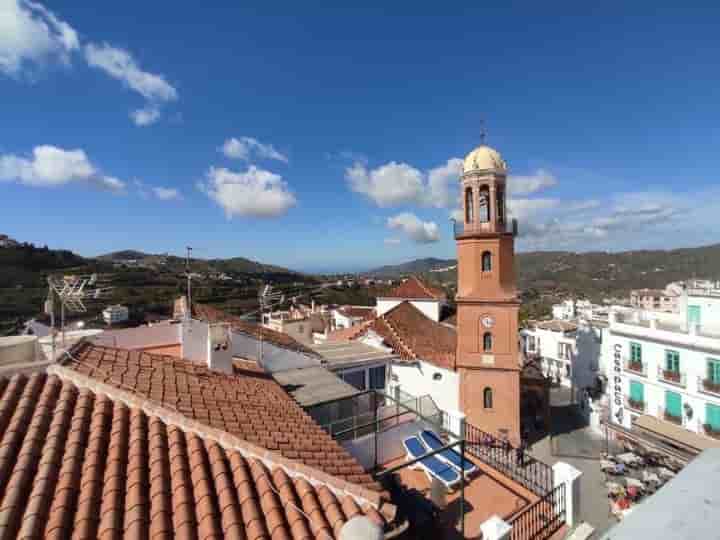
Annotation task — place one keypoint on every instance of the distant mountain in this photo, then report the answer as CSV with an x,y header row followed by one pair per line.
x,y
591,274
238,265
418,266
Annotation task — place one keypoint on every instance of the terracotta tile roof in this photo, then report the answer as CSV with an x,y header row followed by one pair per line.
x,y
249,405
75,464
413,336
557,326
345,334
362,312
415,288
211,314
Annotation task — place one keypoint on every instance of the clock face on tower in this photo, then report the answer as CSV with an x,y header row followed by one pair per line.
x,y
488,321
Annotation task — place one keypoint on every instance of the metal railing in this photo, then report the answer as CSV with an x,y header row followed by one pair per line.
x,y
542,519
461,228
669,417
519,466
708,386
637,406
636,367
677,378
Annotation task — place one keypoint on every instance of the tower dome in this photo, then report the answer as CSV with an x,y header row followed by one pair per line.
x,y
484,158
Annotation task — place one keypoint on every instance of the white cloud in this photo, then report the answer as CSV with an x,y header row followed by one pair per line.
x,y
246,147
253,193
522,209
166,194
388,185
120,64
531,183
422,232
146,116
31,34
52,166
443,183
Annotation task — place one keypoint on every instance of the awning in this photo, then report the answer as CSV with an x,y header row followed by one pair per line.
x,y
675,434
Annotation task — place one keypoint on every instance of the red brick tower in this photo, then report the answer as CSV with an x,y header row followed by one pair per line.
x,y
487,303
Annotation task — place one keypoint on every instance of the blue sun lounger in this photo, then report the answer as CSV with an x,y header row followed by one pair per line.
x,y
450,456
433,467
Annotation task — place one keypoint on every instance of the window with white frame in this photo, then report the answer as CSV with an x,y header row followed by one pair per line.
x,y
531,343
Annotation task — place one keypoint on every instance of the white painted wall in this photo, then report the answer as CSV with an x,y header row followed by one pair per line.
x,y
430,308
274,358
194,340
390,444
142,336
417,380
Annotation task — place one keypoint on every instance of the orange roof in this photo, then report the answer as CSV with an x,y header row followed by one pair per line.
x,y
78,464
415,288
414,336
249,405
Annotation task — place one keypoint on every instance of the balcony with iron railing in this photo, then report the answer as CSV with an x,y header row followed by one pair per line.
x,y
636,367
676,378
709,386
635,405
669,416
461,228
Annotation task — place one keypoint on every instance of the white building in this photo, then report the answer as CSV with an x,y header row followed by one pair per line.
x,y
665,367
115,314
428,299
655,299
348,316
569,352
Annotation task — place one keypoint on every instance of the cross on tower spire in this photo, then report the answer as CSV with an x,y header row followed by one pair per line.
x,y
483,131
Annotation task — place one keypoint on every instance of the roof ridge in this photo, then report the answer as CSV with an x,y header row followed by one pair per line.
x,y
407,348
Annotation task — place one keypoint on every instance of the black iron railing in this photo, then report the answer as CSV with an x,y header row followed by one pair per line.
x,y
460,228
541,519
522,468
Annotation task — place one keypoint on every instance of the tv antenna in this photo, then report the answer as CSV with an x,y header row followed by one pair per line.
x,y
73,292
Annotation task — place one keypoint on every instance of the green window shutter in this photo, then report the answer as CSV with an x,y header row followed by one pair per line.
x,y
714,370
672,361
693,314
635,352
712,416
637,391
673,404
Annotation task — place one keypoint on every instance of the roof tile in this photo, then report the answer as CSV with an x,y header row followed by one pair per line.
x,y
79,465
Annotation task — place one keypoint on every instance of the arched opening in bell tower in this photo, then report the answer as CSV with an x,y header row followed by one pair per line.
x,y
500,205
468,205
487,342
487,398
484,204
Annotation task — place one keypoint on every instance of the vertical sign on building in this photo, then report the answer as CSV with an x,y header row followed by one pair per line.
x,y
617,390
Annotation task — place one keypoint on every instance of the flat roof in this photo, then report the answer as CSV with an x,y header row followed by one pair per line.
x,y
338,354
683,509
312,385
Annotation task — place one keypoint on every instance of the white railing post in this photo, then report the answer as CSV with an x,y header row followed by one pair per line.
x,y
567,475
495,528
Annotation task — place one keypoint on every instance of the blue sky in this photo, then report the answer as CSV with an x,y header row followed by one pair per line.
x,y
328,138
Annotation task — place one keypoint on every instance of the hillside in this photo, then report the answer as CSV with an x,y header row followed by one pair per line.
x,y
144,282
592,274
237,265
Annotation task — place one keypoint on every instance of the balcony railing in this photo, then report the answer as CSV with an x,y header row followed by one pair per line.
x,y
638,368
670,417
672,377
637,406
461,228
708,386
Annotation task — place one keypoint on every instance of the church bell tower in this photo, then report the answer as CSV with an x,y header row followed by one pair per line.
x,y
487,304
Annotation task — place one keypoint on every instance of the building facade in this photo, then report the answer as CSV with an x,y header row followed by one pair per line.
x,y
487,357
667,365
654,299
